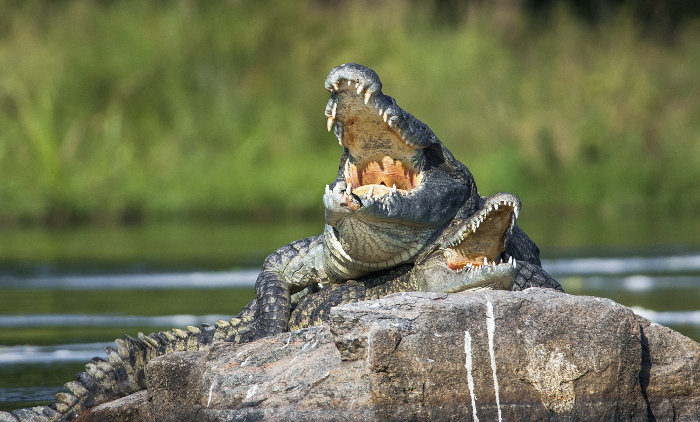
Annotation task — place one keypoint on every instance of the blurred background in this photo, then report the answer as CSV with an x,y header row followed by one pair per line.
x,y
153,153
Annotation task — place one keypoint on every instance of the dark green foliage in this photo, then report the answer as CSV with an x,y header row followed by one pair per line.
x,y
125,111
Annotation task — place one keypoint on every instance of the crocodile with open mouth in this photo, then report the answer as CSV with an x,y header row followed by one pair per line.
x,y
397,189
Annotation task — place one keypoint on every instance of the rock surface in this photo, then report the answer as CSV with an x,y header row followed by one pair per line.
x,y
531,355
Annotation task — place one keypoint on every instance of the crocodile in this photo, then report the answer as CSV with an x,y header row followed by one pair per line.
x,y
398,187
470,254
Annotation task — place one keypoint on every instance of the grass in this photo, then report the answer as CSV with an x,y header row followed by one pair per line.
x,y
126,111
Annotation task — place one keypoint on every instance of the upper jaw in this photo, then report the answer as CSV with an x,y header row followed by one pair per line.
x,y
384,143
356,93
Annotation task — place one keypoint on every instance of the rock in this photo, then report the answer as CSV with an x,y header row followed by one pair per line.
x,y
670,373
536,354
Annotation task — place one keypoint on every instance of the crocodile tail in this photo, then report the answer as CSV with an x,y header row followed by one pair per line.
x,y
124,371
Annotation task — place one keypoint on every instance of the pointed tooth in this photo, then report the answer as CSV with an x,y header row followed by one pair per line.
x,y
334,110
349,83
329,123
328,189
367,95
335,86
393,188
381,111
348,189
360,88
486,261
495,206
516,212
370,191
386,114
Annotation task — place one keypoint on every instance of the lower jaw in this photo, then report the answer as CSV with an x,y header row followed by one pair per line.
x,y
496,279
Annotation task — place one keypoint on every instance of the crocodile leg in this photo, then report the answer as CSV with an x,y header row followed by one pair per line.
x,y
531,275
287,270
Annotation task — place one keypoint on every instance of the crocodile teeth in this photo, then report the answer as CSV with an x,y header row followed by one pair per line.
x,y
360,88
367,95
335,86
349,83
333,111
393,188
370,191
381,111
328,189
486,261
495,206
329,123
348,189
386,114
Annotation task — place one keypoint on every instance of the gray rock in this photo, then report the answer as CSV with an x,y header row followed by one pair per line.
x,y
536,354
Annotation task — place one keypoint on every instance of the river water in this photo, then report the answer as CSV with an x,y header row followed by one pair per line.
x,y
54,318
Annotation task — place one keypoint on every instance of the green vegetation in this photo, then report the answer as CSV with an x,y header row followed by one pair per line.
x,y
123,111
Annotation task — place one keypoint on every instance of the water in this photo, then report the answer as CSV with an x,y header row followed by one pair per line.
x,y
56,313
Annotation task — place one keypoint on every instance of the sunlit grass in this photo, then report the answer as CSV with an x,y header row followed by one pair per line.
x,y
131,110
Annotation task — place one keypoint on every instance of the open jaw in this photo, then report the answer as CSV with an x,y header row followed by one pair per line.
x,y
471,251
480,240
384,143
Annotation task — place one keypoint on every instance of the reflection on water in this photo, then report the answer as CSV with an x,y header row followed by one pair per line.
x,y
199,280
60,321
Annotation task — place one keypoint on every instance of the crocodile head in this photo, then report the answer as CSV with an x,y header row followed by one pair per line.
x,y
470,253
397,185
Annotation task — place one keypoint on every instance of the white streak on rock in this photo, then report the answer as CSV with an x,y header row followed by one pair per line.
x,y
468,365
211,389
251,392
490,329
